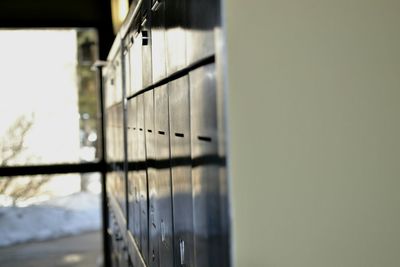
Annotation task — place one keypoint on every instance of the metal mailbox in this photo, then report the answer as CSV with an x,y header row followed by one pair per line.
x,y
152,177
142,179
208,238
120,155
133,178
165,222
202,21
127,65
158,45
175,23
181,171
146,43
136,61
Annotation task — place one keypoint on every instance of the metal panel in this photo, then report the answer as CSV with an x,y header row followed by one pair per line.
x,y
158,44
111,122
118,77
175,35
146,45
152,178
136,62
142,180
121,192
165,222
208,239
127,63
181,171
203,18
108,81
133,182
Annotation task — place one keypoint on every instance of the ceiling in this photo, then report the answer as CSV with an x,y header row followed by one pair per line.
x,y
65,14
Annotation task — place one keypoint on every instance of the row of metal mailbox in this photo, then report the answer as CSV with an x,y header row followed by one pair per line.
x,y
164,37
176,202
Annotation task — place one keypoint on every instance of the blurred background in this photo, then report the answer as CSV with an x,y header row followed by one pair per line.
x,y
49,115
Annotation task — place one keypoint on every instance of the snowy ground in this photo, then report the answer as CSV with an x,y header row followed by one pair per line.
x,y
58,217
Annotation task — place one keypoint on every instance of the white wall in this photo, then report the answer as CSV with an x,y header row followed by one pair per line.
x,y
314,120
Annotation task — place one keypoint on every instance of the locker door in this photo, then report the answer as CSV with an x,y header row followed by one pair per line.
x,y
203,19
175,22
209,242
152,177
165,223
181,171
133,180
158,45
142,180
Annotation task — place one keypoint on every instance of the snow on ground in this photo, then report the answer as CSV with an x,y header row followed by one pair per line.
x,y
54,218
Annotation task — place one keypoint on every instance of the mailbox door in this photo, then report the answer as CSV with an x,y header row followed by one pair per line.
x,y
181,170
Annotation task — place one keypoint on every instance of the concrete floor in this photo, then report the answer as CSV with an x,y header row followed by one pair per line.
x,y
83,250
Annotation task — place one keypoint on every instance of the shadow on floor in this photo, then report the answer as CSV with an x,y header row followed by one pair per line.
x,y
83,250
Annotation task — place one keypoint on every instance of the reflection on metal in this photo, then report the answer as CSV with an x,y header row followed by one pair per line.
x,y
182,251
177,197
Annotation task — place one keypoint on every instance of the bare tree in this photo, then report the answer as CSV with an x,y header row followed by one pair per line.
x,y
12,143
12,147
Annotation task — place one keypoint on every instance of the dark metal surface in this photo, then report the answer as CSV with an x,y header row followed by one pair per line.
x,y
181,171
164,223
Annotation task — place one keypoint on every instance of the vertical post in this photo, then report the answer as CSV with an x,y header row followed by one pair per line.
x,y
103,163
